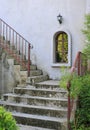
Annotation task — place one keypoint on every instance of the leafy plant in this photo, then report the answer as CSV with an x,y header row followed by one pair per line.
x,y
76,83
80,87
86,32
7,122
82,116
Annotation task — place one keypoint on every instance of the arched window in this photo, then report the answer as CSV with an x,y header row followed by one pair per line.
x,y
62,49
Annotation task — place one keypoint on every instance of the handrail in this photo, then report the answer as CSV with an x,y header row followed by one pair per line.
x,y
14,44
79,67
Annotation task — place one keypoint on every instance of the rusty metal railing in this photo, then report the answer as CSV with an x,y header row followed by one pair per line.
x,y
15,45
79,67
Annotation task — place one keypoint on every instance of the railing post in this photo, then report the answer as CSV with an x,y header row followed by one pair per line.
x,y
69,106
0,30
28,59
78,69
79,64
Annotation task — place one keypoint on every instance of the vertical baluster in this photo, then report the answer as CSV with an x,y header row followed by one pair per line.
x,y
9,39
22,51
12,41
19,45
69,105
79,68
25,49
25,52
6,36
0,31
28,59
3,32
16,47
16,41
19,50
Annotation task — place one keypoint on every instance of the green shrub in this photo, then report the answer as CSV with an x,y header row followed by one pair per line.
x,y
76,83
80,87
7,122
86,32
82,116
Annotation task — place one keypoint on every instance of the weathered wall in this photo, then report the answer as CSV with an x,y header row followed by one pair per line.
x,y
7,78
37,21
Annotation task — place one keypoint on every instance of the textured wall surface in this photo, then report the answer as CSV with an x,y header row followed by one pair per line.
x,y
37,21
7,78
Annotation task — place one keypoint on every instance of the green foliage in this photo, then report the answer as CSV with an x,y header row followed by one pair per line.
x,y
76,83
7,122
82,116
80,87
64,79
86,32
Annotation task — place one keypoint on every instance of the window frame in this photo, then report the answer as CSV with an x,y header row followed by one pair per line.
x,y
58,64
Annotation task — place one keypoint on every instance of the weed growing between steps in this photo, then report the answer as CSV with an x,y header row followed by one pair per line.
x,y
7,122
80,87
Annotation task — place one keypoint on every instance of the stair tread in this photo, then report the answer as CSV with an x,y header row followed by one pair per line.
x,y
33,86
34,106
38,89
36,97
32,70
39,117
36,70
26,127
38,76
49,82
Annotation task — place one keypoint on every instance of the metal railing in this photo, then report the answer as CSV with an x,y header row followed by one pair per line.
x,y
79,67
15,45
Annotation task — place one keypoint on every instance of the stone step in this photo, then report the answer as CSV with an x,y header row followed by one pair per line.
x,y
35,79
36,100
35,72
40,92
33,67
26,127
49,84
40,121
37,110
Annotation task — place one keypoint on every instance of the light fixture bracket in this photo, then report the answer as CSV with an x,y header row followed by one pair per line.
x,y
59,18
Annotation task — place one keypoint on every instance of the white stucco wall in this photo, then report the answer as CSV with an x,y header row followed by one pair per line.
x,y
87,6
37,21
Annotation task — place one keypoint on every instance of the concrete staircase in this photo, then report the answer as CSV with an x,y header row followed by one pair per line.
x,y
37,101
42,105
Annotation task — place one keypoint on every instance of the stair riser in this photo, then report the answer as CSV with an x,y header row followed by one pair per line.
x,y
50,87
39,123
40,93
33,81
38,102
47,103
37,111
35,73
33,67
37,80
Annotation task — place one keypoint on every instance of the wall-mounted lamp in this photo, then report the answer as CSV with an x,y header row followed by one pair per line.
x,y
59,18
